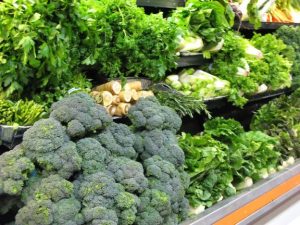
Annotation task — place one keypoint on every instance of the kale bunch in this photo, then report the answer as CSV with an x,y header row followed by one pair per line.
x,y
80,168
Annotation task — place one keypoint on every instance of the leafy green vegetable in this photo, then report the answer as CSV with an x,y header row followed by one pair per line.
x,y
119,39
247,69
226,64
291,37
22,112
52,94
281,118
37,44
209,19
279,66
223,155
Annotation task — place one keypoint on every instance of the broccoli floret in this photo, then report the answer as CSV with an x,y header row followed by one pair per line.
x,y
15,169
119,140
99,216
53,188
35,213
100,189
46,144
129,173
163,176
94,156
160,142
148,113
63,212
150,216
80,114
67,212
151,200
44,136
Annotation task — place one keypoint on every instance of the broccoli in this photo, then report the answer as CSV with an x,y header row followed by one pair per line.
x,y
94,156
47,144
99,215
53,188
80,114
119,140
15,169
46,212
160,142
80,168
50,200
100,189
129,173
153,203
163,176
148,113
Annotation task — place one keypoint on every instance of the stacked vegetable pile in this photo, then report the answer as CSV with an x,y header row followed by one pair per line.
x,y
225,158
79,167
202,25
252,66
118,100
199,84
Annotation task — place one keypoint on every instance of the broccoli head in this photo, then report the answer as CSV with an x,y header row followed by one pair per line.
x,y
15,169
80,114
52,188
46,212
101,190
163,176
47,144
129,173
99,216
160,142
119,140
94,156
155,206
148,113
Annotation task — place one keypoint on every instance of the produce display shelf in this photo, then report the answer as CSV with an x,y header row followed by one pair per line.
x,y
168,4
264,25
191,60
254,202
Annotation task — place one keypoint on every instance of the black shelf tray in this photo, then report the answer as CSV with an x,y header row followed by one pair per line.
x,y
264,25
191,60
168,4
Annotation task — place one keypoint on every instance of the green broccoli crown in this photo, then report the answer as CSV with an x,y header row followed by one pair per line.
x,y
15,169
53,188
46,212
100,189
160,142
99,215
80,114
129,173
149,114
163,176
119,140
94,156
